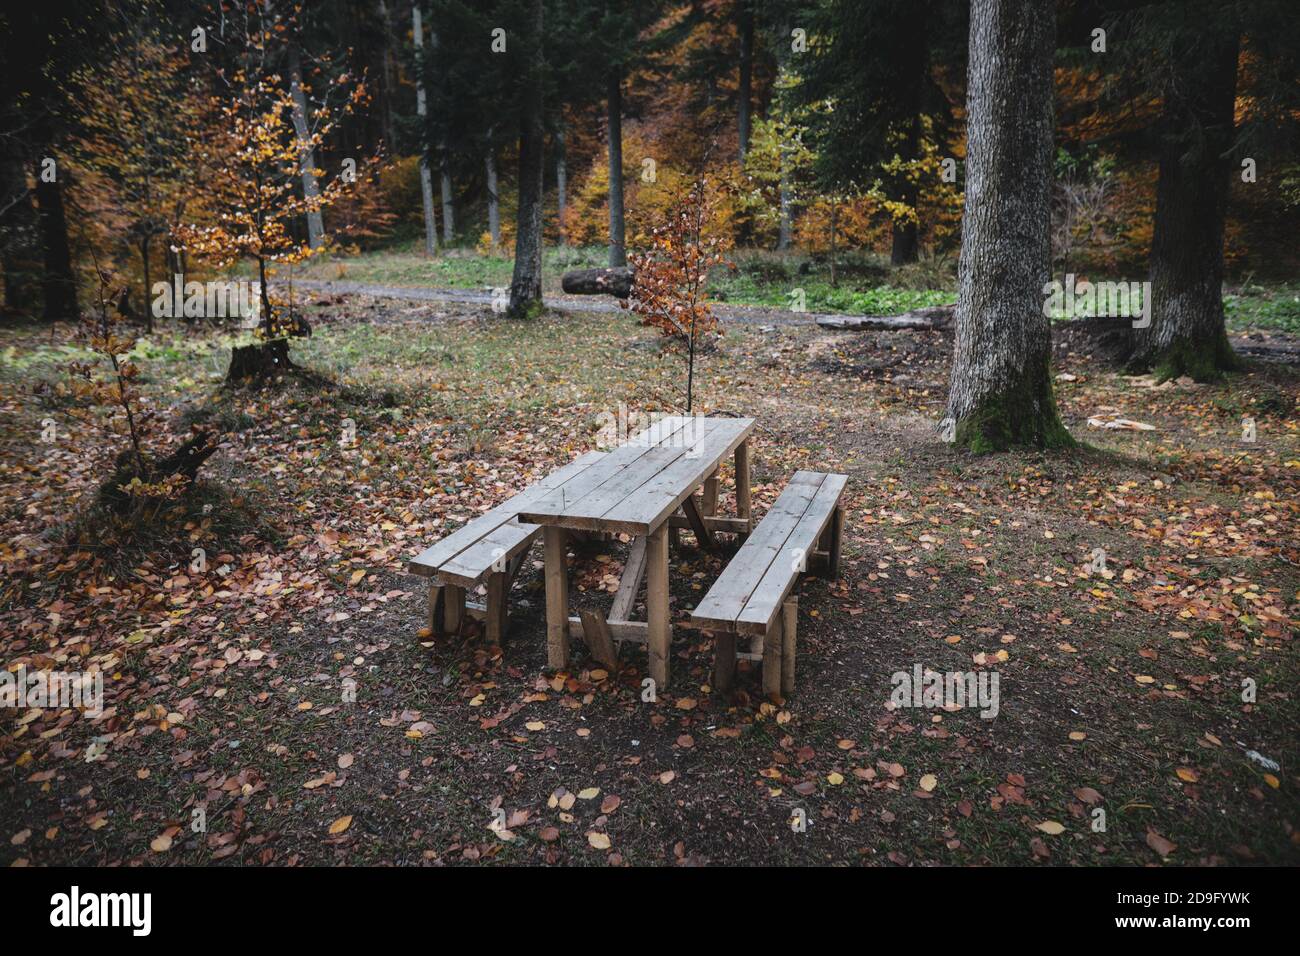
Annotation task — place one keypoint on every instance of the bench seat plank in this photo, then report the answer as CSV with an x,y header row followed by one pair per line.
x,y
765,602
749,593
727,598
454,547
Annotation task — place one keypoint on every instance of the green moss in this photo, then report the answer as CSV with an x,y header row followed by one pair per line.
x,y
1201,361
1021,416
530,309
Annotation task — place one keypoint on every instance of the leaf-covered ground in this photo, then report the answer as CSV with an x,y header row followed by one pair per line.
x,y
1121,690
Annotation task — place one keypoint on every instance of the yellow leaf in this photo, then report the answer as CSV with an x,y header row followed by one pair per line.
x,y
1187,774
929,782
161,843
1078,735
1051,826
339,825
591,793
598,841
834,778
1272,781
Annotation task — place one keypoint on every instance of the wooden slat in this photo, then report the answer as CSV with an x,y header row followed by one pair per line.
x,y
727,598
658,498
703,536
556,501
656,605
630,481
595,633
789,642
432,558
630,583
557,600
640,493
766,599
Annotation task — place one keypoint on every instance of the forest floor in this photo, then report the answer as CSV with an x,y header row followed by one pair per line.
x,y
1160,690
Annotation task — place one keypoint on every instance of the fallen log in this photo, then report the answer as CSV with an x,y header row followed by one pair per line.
x,y
616,282
929,318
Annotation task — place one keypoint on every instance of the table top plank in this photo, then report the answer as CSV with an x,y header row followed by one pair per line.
x,y
658,498
640,484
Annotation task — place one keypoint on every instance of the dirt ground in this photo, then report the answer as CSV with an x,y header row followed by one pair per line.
x,y
1156,685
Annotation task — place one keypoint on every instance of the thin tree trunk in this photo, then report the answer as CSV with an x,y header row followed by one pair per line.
x,y
835,211
422,110
1187,334
526,285
1000,392
59,284
617,250
18,230
906,244
306,154
448,208
744,92
561,178
783,237
148,286
494,203
389,75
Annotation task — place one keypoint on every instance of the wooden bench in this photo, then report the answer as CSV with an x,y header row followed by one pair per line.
x,y
489,549
751,596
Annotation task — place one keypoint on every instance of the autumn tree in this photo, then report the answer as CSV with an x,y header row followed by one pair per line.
x,y
670,279
253,155
1000,392
148,112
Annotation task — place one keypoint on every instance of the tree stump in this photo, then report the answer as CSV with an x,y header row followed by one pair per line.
x,y
259,362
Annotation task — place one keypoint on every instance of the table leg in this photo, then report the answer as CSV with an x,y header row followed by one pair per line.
x,y
656,605
742,484
557,599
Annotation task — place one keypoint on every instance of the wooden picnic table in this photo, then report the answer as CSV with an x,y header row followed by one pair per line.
x,y
638,489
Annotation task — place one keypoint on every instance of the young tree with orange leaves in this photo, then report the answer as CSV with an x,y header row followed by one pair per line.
x,y
669,287
254,163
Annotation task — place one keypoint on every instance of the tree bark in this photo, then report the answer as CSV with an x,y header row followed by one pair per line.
x,y
617,249
306,154
561,178
1187,334
1000,392
18,255
448,204
494,204
59,284
744,92
526,285
906,242
422,110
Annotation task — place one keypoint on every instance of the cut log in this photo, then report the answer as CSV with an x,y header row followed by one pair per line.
x,y
930,317
615,282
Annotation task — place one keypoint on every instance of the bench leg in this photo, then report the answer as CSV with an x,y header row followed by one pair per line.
x,y
660,636
772,642
557,599
498,606
453,608
789,632
724,660
833,549
743,503
710,499
435,610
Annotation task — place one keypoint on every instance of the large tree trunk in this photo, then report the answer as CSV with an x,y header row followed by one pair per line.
x,y
494,204
617,250
59,284
526,285
422,110
306,154
1001,390
744,91
1187,334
